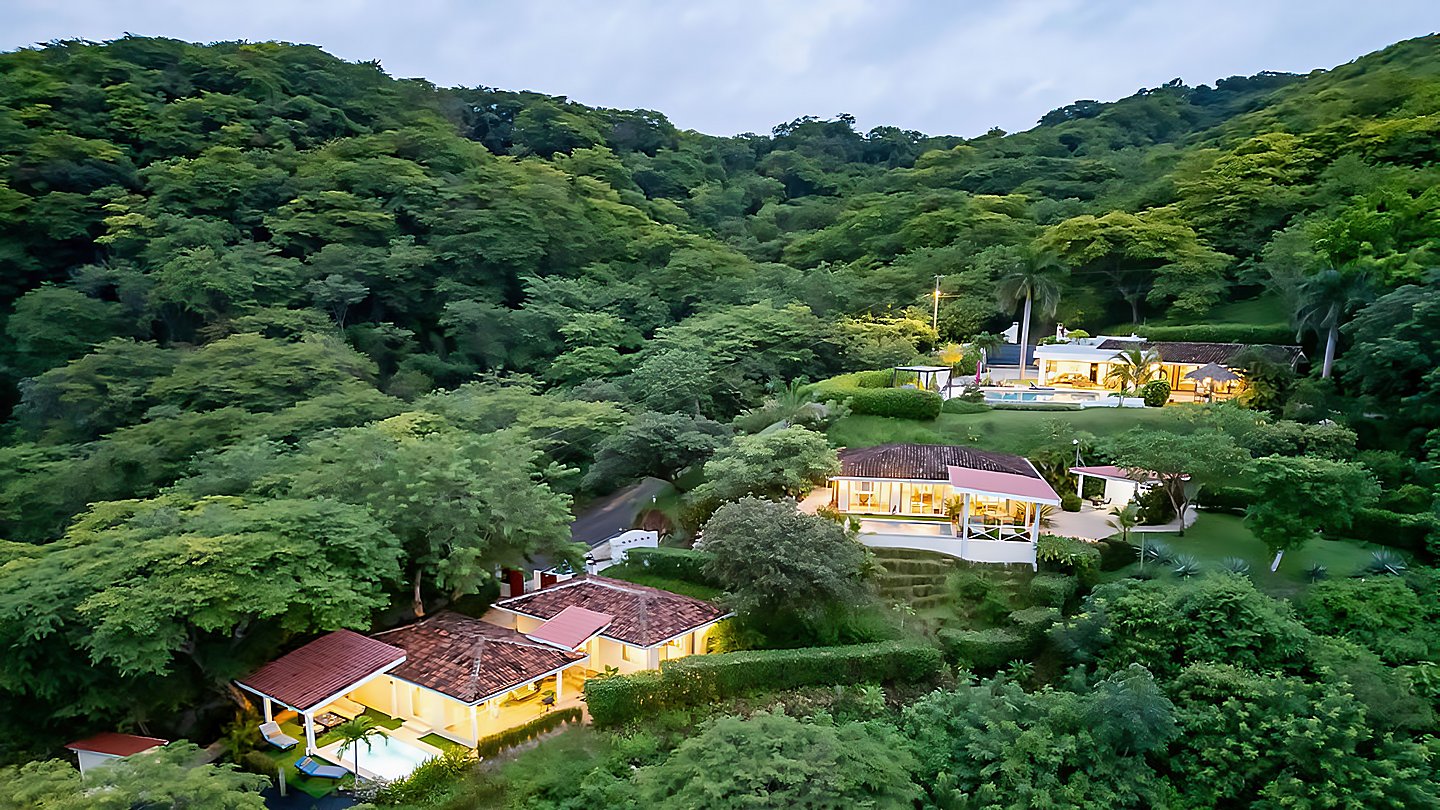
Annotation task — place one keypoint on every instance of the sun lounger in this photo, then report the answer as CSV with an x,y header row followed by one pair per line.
x,y
273,735
347,708
312,767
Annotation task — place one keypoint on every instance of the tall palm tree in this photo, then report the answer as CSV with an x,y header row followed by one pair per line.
x,y
1326,299
1036,282
1133,368
354,732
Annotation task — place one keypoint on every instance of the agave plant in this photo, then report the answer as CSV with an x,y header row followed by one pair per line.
x,y
1185,566
1317,572
1236,565
1160,553
1387,562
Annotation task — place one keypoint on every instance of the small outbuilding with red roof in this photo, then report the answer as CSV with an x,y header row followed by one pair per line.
x,y
106,747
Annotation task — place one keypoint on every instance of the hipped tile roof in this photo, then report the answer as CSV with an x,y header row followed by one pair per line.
x,y
469,659
305,677
643,616
927,462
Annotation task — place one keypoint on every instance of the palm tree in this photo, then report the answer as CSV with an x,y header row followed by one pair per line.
x,y
984,343
1326,298
354,732
1124,519
1133,368
1035,282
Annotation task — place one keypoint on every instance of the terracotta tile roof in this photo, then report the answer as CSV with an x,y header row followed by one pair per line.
x,y
301,679
927,462
469,659
1199,354
116,745
643,616
571,627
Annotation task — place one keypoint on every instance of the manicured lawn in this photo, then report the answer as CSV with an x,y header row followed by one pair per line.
x,y
317,788
1003,431
639,576
443,744
1217,536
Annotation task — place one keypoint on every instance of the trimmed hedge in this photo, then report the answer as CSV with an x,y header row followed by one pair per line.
x,y
867,393
511,737
1037,406
1417,533
1032,622
985,649
700,679
1225,499
1070,502
673,563
1220,333
1052,590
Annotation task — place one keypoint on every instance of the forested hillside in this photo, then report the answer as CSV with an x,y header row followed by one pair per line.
x,y
289,344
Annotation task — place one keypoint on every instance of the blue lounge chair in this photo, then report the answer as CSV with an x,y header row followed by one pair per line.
x,y
312,767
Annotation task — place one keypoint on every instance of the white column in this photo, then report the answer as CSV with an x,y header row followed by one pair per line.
x,y
309,733
394,698
1079,485
269,712
474,723
652,658
559,686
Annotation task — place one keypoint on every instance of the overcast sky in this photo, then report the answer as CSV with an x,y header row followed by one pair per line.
x,y
728,66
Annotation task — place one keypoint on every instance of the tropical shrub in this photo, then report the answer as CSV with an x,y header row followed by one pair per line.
x,y
1070,502
701,679
1417,533
1068,553
1156,393
868,392
436,776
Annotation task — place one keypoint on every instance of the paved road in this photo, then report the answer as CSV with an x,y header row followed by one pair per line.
x,y
608,516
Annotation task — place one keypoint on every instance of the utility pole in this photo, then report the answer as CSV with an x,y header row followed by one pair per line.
x,y
935,313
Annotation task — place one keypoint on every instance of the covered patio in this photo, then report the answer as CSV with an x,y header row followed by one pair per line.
x,y
314,680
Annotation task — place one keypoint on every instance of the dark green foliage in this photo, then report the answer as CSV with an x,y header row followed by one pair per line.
x,y
1155,508
987,649
1396,621
1052,590
1070,502
676,563
437,776
699,679
1220,333
1415,533
1155,393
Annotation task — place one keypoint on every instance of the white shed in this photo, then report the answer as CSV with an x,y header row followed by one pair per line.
x,y
106,747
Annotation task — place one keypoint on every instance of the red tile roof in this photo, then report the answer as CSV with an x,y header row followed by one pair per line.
x,y
116,745
571,627
469,659
644,616
926,462
303,678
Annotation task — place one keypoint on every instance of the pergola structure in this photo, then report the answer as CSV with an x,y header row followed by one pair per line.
x,y
924,375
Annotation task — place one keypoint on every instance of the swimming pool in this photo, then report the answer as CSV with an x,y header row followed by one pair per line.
x,y
387,757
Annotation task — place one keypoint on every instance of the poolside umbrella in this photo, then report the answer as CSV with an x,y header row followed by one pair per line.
x,y
1213,373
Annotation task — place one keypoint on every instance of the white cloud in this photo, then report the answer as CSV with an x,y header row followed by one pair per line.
x,y
728,66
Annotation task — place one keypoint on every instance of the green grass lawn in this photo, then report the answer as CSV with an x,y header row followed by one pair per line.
x,y
639,576
1217,536
1003,431
317,788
